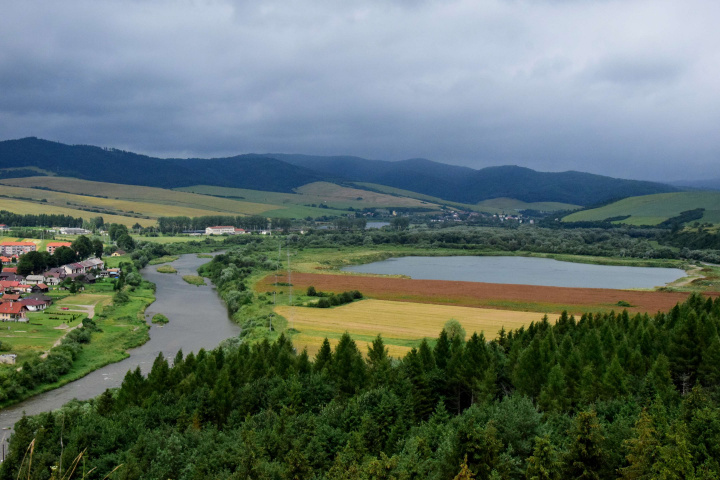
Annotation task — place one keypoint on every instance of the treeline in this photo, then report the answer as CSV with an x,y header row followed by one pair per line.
x,y
254,222
600,396
43,220
327,300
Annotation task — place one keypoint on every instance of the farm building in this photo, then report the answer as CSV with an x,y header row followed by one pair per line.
x,y
74,231
4,228
219,230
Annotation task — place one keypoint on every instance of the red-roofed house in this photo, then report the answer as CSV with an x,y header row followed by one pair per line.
x,y
8,286
10,297
51,246
5,260
17,248
13,312
4,228
10,269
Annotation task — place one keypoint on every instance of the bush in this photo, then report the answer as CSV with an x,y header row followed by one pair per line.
x,y
311,292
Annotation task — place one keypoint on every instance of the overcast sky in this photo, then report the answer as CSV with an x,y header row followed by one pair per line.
x,y
625,88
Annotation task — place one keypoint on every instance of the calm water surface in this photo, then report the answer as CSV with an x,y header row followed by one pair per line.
x,y
523,271
198,319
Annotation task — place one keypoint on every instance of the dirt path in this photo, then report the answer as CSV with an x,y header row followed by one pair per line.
x,y
693,273
89,309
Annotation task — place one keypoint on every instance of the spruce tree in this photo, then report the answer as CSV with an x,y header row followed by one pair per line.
x,y
585,457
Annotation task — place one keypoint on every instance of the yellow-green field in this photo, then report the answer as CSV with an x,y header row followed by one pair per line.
x,y
25,207
402,325
325,193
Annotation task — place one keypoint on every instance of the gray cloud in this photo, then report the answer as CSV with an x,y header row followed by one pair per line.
x,y
618,88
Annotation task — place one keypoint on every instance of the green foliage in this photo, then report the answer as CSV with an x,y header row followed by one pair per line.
x,y
597,397
160,319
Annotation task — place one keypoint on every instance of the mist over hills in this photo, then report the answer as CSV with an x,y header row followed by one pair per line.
x,y
285,172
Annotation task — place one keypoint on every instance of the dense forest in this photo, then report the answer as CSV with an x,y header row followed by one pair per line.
x,y
600,396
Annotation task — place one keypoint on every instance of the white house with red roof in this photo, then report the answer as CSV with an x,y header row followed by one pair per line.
x,y
4,228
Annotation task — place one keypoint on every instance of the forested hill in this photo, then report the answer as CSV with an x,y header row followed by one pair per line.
x,y
601,396
256,172
466,185
283,173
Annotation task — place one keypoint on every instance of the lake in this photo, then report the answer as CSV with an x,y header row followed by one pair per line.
x,y
523,271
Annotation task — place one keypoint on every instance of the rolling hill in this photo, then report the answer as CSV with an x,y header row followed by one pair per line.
x,y
286,173
654,209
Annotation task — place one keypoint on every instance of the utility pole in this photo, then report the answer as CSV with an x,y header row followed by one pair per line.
x,y
292,317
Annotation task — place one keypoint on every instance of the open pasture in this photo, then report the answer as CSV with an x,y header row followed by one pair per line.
x,y
25,207
488,295
654,209
401,324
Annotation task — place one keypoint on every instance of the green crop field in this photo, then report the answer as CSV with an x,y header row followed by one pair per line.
x,y
654,209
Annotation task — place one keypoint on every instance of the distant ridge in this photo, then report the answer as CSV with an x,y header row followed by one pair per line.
x,y
285,172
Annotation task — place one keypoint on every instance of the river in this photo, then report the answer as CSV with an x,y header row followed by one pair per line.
x,y
198,319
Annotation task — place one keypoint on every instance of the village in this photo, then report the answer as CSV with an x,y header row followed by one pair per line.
x,y
23,294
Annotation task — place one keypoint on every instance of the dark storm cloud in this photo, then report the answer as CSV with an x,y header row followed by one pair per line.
x,y
620,88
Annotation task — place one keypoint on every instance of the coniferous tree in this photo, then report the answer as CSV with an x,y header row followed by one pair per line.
x,y
544,463
585,458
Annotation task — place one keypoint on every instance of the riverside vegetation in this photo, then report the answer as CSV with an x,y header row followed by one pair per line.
x,y
600,396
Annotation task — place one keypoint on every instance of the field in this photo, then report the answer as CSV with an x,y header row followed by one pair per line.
x,y
318,193
487,295
402,325
654,209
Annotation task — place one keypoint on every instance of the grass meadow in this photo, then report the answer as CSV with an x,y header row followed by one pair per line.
x,y
654,209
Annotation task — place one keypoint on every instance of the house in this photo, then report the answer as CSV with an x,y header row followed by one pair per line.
x,y
9,286
74,231
220,230
82,277
4,228
54,276
41,287
6,260
239,231
13,312
71,268
10,297
118,253
113,272
52,246
12,270
34,279
33,305
41,297
92,264
8,358
17,248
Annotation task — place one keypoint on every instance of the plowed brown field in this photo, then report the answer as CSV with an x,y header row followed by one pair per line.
x,y
487,295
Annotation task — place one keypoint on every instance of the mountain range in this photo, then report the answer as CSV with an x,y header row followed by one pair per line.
x,y
284,172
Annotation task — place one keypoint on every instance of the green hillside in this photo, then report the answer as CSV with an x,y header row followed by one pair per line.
x,y
493,205
654,209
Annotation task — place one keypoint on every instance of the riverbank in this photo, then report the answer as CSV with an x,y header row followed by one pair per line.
x,y
198,320
121,326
